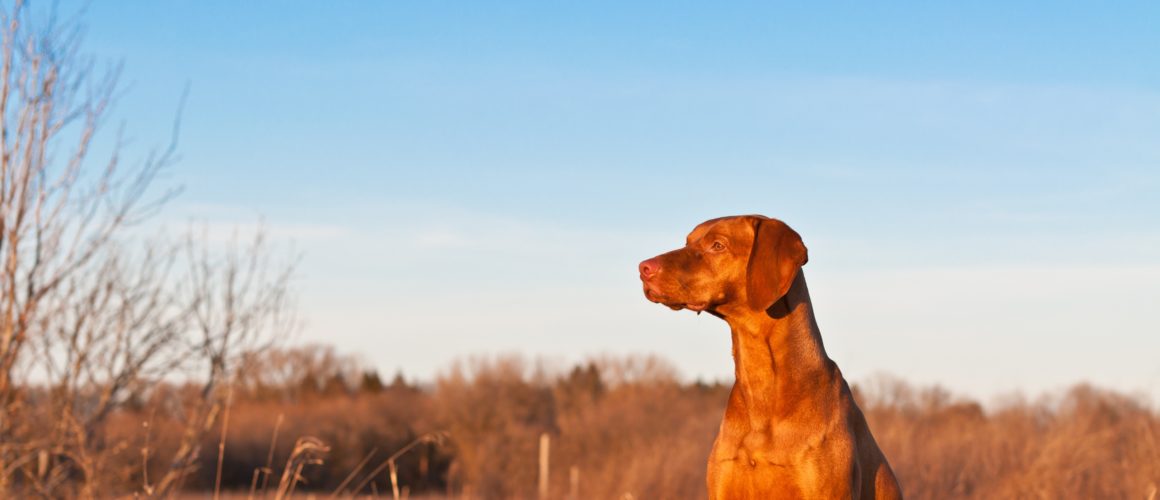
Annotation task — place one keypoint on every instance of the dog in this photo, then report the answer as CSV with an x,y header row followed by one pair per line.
x,y
791,428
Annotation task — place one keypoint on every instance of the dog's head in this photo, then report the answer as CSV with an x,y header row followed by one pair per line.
x,y
748,260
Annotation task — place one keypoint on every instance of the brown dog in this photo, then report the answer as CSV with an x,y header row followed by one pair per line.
x,y
791,429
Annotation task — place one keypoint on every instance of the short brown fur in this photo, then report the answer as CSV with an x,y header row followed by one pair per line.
x,y
791,428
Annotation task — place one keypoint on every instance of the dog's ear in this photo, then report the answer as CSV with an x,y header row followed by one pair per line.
x,y
774,261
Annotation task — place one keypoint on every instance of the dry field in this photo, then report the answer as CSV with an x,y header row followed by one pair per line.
x,y
626,427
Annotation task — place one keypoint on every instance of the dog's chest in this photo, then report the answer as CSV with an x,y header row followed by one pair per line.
x,y
781,464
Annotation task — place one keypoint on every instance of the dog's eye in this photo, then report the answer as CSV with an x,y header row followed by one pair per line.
x,y
717,246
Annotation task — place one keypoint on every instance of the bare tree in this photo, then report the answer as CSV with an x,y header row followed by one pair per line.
x,y
91,317
108,334
57,215
238,297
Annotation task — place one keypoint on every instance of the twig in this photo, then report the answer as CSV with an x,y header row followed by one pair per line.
x,y
430,437
217,484
145,454
269,469
353,473
307,450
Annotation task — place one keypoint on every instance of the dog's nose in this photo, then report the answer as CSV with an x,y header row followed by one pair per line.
x,y
649,268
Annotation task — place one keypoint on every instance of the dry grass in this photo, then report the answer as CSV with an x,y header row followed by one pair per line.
x,y
1086,443
628,427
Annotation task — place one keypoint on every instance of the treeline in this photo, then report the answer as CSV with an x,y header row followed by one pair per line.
x,y
617,426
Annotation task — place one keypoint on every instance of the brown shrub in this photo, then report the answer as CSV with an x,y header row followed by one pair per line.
x,y
1089,443
630,426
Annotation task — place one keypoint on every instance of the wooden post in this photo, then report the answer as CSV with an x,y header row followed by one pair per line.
x,y
574,483
545,442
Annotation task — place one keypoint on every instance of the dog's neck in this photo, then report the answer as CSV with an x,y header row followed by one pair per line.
x,y
780,363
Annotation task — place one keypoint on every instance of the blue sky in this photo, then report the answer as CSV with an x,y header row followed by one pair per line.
x,y
977,184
